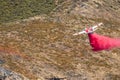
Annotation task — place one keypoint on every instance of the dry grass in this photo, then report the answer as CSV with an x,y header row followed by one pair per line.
x,y
45,49
51,46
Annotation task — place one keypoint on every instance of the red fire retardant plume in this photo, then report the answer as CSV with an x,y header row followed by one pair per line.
x,y
99,42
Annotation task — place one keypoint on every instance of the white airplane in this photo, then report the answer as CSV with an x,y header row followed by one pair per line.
x,y
89,30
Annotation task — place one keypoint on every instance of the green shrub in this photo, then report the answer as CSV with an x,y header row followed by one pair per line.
x,y
11,10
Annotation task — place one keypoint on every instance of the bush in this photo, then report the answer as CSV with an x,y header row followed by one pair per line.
x,y
11,10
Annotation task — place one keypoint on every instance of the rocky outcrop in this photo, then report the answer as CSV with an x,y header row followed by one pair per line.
x,y
77,11
10,75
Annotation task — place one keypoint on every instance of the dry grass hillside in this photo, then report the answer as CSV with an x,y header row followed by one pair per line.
x,y
43,48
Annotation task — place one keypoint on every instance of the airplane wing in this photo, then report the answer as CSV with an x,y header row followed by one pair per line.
x,y
93,29
82,32
96,26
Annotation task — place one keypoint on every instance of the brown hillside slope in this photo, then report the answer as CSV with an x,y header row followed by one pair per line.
x,y
52,49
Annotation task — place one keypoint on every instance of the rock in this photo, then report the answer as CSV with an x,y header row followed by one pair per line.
x,y
10,75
